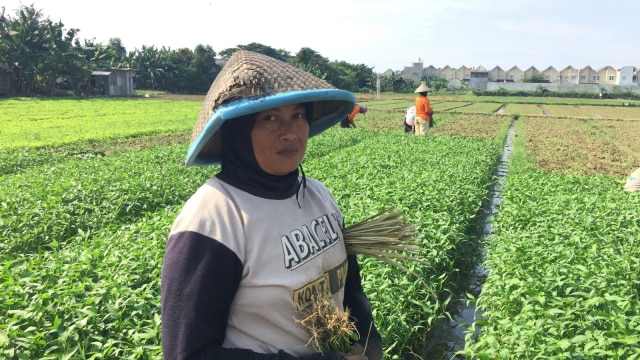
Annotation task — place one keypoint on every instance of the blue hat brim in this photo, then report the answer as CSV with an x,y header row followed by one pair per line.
x,y
245,106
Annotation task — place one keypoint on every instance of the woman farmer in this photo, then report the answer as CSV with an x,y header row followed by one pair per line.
x,y
349,120
423,110
257,241
410,119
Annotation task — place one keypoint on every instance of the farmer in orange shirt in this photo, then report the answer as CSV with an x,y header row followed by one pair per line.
x,y
348,121
423,110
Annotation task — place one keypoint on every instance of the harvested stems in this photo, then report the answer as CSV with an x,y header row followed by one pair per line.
x,y
386,237
366,343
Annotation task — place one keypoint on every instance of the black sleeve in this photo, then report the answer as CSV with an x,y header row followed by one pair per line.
x,y
200,277
358,304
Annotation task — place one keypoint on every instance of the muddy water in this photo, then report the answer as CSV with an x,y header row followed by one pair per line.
x,y
448,337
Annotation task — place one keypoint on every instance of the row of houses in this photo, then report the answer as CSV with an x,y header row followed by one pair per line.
x,y
478,77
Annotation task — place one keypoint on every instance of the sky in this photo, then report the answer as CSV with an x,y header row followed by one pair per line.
x,y
382,34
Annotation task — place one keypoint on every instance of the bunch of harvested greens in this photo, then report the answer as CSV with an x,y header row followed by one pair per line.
x,y
386,237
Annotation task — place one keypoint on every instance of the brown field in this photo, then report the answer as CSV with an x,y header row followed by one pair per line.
x,y
583,147
479,126
593,112
614,112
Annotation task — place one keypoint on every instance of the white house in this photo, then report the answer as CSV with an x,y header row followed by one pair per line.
x,y
626,76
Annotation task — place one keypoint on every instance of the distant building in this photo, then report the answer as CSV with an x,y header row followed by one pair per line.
x,y
531,72
431,71
626,76
479,78
607,75
550,75
569,75
449,73
497,74
588,75
515,74
465,73
113,82
413,72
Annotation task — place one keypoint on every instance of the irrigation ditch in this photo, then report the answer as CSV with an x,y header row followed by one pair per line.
x,y
448,336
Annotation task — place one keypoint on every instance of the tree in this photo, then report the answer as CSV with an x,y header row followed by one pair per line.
x,y
204,64
311,61
22,47
542,91
115,44
279,54
185,75
62,61
437,83
151,67
365,76
342,76
395,82
37,50
204,59
119,58
355,78
41,53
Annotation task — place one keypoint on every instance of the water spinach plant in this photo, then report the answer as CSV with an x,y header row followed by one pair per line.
x,y
82,237
563,267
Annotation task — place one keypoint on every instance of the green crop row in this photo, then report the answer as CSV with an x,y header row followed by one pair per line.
x,y
45,206
440,183
564,279
481,108
523,109
449,105
96,298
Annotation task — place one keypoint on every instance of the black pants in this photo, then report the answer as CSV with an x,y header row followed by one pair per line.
x,y
407,128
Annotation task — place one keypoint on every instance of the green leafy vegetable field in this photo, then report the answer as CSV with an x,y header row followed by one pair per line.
x,y
86,206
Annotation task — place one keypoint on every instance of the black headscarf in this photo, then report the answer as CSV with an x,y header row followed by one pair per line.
x,y
240,168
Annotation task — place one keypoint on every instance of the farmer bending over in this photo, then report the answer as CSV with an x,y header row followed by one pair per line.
x,y
348,121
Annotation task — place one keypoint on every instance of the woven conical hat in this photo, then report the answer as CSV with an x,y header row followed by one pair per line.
x,y
422,88
251,82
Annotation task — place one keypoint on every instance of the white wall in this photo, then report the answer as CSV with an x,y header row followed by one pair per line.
x,y
558,87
